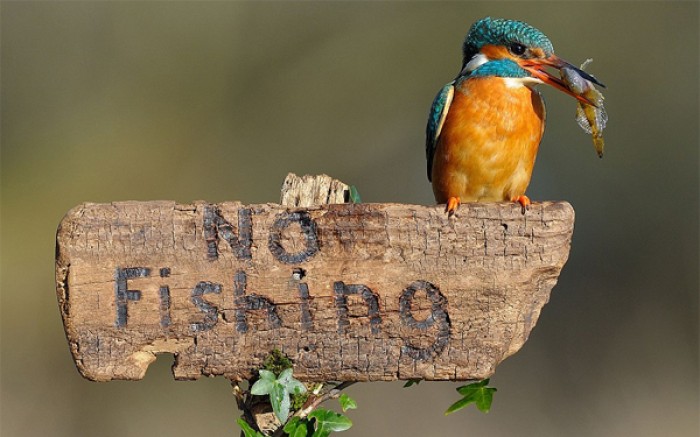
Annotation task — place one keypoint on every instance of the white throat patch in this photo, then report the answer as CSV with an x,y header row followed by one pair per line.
x,y
517,82
476,61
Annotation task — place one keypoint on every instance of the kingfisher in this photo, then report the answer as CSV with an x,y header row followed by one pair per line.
x,y
485,127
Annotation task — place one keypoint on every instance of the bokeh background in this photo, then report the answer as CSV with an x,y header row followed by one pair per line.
x,y
105,101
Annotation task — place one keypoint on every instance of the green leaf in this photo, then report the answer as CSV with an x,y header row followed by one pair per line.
x,y
346,402
291,425
290,384
354,195
296,388
279,398
411,382
296,427
248,430
478,392
483,402
262,387
470,388
266,375
458,405
285,376
327,421
279,389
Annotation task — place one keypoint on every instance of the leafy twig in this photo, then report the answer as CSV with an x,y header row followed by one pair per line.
x,y
278,387
314,401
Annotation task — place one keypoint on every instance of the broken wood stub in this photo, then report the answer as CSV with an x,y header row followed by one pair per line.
x,y
351,292
307,190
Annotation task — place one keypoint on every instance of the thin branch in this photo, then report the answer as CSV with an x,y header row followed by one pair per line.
x,y
315,401
244,402
239,394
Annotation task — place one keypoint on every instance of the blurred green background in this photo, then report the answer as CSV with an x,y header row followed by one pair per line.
x,y
105,101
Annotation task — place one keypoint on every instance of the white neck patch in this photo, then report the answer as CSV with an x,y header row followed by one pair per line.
x,y
517,82
476,61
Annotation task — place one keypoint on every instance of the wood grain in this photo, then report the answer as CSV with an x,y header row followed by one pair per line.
x,y
350,292
310,190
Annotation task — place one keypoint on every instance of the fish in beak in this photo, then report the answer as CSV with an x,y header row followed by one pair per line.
x,y
537,68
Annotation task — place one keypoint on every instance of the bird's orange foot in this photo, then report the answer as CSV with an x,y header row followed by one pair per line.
x,y
524,202
451,206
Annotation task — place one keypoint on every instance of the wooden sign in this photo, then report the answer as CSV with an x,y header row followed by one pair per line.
x,y
348,292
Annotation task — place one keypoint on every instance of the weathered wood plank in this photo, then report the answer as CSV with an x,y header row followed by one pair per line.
x,y
349,292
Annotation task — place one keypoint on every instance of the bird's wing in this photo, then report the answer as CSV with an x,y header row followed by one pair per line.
x,y
436,118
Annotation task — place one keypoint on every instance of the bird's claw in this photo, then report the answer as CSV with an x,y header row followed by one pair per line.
x,y
523,200
451,206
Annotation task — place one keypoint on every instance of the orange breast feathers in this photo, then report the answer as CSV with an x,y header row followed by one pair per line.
x,y
488,144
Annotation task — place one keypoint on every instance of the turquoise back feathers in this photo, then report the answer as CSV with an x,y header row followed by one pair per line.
x,y
436,118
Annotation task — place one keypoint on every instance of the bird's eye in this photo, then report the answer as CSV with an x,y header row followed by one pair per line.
x,y
517,49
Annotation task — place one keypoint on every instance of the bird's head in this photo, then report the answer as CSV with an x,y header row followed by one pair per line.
x,y
510,48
